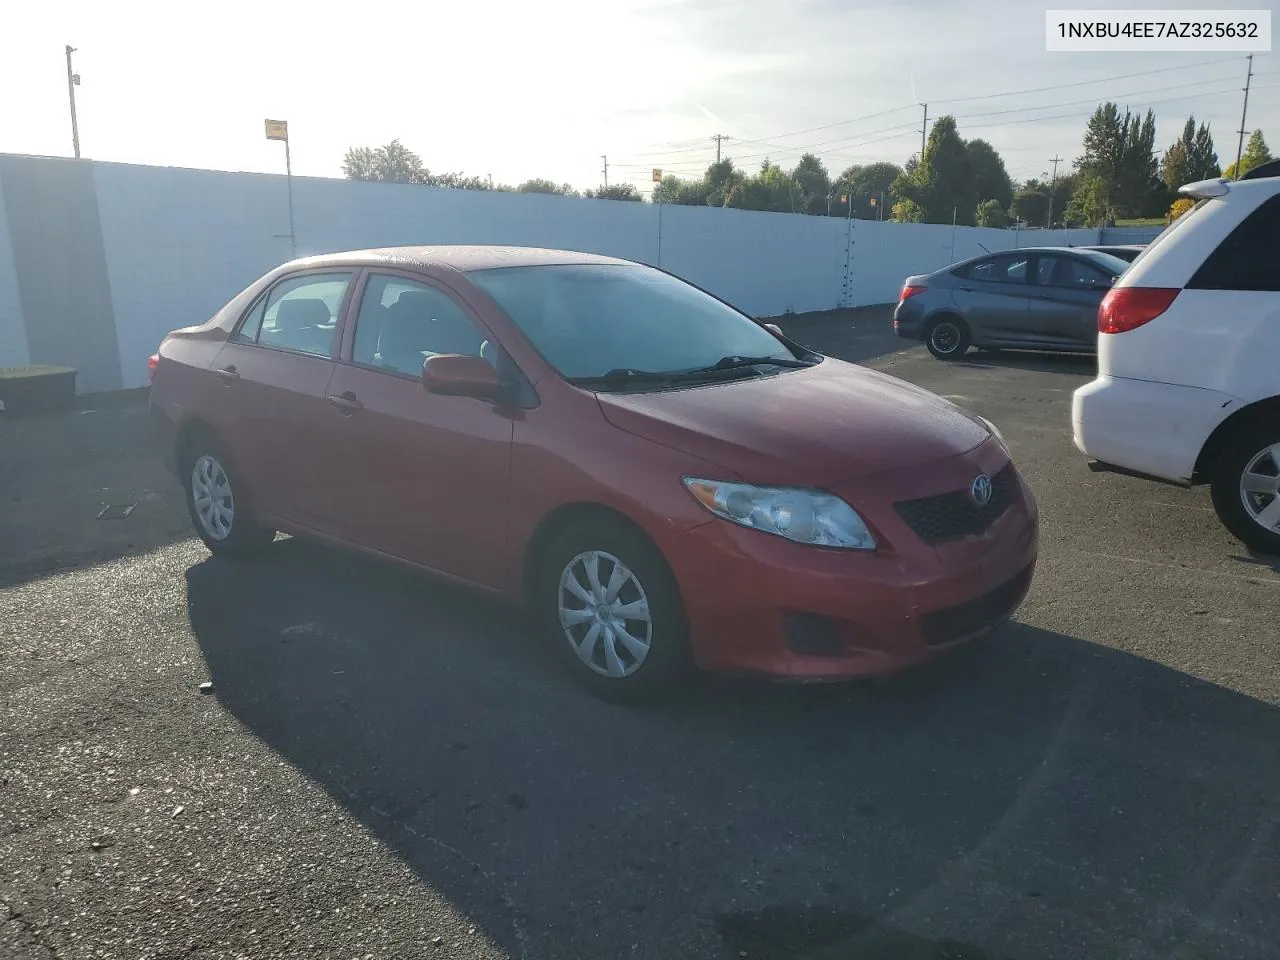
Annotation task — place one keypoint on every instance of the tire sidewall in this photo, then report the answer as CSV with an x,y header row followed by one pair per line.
x,y
962,333
1225,487
669,664
246,535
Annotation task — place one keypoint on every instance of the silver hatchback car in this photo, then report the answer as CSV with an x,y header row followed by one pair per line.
x,y
1037,298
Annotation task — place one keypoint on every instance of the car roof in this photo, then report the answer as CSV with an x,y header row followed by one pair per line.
x,y
462,258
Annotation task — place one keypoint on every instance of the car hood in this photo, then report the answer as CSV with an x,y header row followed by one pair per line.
x,y
811,427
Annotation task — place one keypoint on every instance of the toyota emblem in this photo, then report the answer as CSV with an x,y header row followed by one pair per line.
x,y
981,490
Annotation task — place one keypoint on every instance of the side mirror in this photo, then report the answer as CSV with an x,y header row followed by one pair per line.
x,y
453,375
774,329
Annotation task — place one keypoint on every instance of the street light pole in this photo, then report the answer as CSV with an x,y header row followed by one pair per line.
x,y
73,81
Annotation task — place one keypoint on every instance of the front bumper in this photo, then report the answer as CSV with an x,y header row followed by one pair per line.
x,y
760,604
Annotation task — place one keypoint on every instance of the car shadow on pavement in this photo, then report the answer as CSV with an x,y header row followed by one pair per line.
x,y
1079,364
1033,796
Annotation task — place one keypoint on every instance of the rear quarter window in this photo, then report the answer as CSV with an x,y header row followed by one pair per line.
x,y
1249,258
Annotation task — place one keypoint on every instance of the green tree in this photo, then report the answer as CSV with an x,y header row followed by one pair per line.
x,y
1190,158
719,178
1030,205
616,191
394,163
862,184
907,211
1091,205
813,182
1138,165
771,189
542,185
941,185
990,213
1255,154
689,193
990,178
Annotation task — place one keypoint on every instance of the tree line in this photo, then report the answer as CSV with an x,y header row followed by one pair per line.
x,y
1117,175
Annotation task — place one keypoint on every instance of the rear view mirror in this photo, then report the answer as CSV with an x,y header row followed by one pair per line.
x,y
454,375
774,329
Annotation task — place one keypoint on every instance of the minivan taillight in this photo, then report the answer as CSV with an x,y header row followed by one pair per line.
x,y
1127,308
153,361
910,291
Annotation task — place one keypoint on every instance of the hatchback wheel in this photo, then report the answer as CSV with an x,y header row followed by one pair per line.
x,y
1246,486
612,611
222,520
948,338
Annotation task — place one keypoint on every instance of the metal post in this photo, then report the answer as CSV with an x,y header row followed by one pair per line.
x,y
1244,111
923,127
288,170
73,81
659,231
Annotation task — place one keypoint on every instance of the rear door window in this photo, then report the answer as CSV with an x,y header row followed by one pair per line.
x,y
299,313
999,270
1249,258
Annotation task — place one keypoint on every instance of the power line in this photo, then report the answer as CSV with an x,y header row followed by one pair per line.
x,y
1085,83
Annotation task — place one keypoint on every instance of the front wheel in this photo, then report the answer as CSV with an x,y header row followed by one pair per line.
x,y
612,612
220,515
1246,486
947,338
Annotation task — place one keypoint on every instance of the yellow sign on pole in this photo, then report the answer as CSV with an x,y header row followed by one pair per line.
x,y
277,129
657,174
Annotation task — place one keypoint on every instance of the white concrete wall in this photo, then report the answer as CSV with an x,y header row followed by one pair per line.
x,y
179,243
13,335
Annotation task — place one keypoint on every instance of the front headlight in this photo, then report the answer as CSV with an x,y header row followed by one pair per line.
x,y
999,437
804,516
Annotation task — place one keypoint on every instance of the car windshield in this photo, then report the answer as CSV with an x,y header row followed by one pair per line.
x,y
1107,261
590,320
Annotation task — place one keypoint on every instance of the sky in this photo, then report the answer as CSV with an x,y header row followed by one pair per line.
x,y
543,89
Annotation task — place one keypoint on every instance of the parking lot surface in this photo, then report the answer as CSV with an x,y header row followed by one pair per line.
x,y
385,767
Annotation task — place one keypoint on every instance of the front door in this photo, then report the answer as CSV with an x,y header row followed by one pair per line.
x,y
272,414
428,476
1065,299
992,297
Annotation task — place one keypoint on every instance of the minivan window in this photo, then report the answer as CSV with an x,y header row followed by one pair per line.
x,y
590,319
1249,258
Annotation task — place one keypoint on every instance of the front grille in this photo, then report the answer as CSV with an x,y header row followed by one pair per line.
x,y
973,616
954,515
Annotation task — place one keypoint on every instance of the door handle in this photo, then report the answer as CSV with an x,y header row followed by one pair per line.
x,y
228,374
346,402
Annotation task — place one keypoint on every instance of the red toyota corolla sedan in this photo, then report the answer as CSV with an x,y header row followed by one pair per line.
x,y
666,482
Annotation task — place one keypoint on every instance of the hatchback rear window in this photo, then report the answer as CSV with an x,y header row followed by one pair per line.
x,y
1248,258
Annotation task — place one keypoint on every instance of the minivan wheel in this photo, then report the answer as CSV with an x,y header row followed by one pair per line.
x,y
612,613
222,520
948,338
1246,486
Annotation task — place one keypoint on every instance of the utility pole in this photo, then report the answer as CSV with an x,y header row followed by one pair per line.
x,y
1244,111
73,81
604,158
924,126
719,138
1053,184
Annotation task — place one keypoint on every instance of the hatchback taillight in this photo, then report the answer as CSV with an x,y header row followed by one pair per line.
x,y
153,361
1126,308
910,291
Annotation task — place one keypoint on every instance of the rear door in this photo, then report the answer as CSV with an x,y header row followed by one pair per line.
x,y
271,411
992,295
1064,300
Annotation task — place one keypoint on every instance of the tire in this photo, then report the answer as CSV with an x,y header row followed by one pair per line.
x,y
224,523
1244,507
947,338
610,667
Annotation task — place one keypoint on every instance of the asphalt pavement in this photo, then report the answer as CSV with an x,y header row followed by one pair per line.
x,y
388,768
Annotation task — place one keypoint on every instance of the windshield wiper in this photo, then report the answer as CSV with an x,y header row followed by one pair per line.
x,y
732,362
622,376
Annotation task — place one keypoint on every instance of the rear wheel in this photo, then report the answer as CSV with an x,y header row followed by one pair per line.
x,y
611,610
947,338
221,517
1246,486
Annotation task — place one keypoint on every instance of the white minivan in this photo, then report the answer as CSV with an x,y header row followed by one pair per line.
x,y
1188,386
